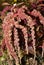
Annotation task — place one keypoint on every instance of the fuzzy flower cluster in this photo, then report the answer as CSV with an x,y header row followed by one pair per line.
x,y
16,27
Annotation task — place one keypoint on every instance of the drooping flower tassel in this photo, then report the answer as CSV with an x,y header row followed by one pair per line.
x,y
16,43
33,38
38,14
7,35
31,23
24,30
10,48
